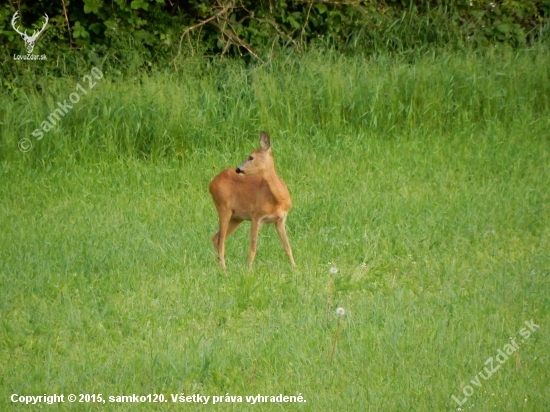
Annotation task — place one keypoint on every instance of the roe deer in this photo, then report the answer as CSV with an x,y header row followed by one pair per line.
x,y
252,192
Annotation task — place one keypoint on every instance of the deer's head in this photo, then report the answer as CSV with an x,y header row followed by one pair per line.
x,y
260,160
30,40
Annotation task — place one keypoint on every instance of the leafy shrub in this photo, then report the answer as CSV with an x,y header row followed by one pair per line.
x,y
144,32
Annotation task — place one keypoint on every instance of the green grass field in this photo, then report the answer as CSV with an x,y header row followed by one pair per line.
x,y
424,180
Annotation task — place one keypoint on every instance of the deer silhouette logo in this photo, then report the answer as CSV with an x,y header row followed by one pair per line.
x,y
29,40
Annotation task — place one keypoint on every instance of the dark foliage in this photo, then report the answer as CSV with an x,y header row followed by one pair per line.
x,y
142,33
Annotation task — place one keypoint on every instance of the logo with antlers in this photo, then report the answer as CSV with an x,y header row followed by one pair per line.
x,y
30,40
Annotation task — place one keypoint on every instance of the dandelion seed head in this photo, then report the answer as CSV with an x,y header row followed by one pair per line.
x,y
333,271
340,312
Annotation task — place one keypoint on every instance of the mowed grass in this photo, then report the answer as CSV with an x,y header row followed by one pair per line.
x,y
425,183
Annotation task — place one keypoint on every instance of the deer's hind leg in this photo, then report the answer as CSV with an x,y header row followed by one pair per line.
x,y
227,226
280,225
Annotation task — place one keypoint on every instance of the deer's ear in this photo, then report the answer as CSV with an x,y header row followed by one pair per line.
x,y
265,145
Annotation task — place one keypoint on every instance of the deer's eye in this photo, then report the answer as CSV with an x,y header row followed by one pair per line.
x,y
251,158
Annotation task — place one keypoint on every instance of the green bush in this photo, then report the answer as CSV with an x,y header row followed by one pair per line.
x,y
145,32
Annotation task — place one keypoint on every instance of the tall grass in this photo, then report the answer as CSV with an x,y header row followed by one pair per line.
x,y
208,104
424,182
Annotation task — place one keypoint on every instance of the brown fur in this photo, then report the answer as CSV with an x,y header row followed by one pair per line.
x,y
257,194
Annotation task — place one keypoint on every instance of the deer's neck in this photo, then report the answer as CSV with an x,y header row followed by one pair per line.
x,y
277,187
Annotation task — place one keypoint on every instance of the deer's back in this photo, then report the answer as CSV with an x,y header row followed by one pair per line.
x,y
247,196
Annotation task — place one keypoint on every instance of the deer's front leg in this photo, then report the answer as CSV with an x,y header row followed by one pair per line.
x,y
254,230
